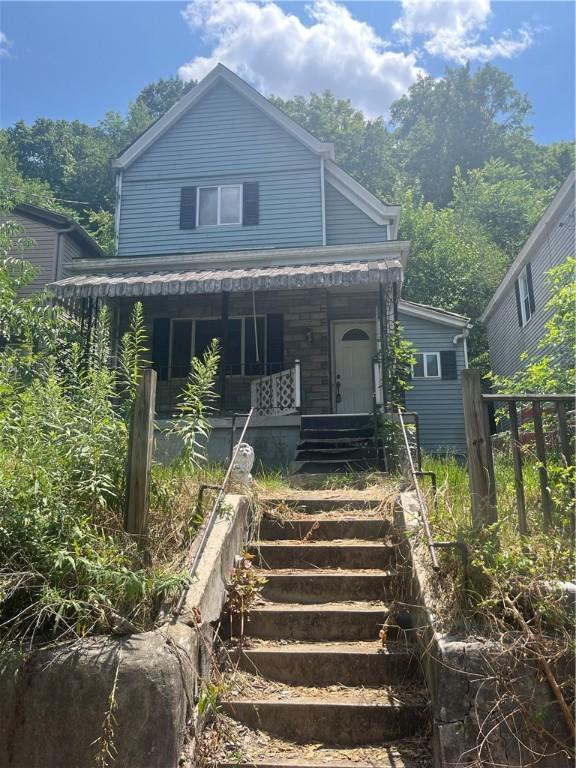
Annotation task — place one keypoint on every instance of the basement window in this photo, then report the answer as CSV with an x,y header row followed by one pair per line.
x,y
426,365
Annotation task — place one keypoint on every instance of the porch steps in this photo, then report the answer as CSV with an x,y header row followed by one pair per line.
x,y
311,685
337,443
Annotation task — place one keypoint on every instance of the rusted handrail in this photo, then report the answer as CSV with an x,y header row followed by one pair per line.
x,y
212,517
421,502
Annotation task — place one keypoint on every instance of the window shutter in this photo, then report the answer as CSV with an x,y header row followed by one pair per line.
x,y
161,347
275,343
448,364
518,305
250,203
188,208
530,288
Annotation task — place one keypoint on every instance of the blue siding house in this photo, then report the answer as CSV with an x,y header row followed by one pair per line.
x,y
234,222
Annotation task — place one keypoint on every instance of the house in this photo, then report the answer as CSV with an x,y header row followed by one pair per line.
x,y
516,315
234,222
57,241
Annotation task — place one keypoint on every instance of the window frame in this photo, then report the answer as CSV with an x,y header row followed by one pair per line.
x,y
425,355
524,294
219,188
244,319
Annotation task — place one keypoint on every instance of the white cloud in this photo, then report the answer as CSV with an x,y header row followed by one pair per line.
x,y
451,30
4,45
279,54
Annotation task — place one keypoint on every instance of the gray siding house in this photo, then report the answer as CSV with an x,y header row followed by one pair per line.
x,y
58,241
516,315
234,222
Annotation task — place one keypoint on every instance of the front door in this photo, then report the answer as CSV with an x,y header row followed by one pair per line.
x,y
354,350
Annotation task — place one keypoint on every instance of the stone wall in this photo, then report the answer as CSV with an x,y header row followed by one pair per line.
x,y
58,704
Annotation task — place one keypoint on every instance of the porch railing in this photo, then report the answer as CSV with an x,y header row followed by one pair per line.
x,y
278,394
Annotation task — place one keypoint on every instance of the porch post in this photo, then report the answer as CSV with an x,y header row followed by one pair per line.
x,y
383,344
224,347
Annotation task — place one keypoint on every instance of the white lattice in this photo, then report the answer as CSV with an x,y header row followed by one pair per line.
x,y
276,395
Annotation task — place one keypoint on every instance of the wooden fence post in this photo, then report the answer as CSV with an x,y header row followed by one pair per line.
x,y
140,456
480,462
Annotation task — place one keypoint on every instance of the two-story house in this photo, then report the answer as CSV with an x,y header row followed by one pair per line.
x,y
516,315
234,222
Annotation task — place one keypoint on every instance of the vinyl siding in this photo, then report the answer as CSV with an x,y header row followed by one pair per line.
x,y
438,402
346,224
41,254
70,250
223,139
507,341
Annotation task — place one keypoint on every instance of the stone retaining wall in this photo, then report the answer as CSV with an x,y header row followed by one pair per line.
x,y
57,704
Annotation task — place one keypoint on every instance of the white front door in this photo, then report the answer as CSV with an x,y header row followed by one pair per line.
x,y
354,350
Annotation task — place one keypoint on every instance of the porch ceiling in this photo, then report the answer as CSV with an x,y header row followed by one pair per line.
x,y
230,280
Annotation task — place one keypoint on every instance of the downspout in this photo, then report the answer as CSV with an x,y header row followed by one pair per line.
x,y
323,199
462,337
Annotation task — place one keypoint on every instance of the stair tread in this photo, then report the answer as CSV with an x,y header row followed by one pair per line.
x,y
330,544
305,573
367,648
350,606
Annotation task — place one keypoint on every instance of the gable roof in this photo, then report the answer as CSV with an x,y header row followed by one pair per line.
x,y
433,314
62,223
342,181
555,208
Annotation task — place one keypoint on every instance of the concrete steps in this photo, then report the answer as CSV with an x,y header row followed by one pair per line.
x,y
336,443
311,669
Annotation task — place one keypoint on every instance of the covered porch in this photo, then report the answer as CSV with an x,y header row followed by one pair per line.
x,y
294,340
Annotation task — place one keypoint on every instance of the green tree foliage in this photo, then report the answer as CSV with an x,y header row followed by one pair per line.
x,y
502,201
363,147
462,119
162,94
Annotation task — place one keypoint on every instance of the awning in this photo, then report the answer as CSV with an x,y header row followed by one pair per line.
x,y
230,280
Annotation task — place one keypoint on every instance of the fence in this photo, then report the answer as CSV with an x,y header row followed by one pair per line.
x,y
481,474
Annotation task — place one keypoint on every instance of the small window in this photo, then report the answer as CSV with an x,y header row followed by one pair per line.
x,y
219,205
525,303
426,365
355,334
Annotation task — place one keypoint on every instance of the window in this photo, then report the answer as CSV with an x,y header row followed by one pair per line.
x,y
427,365
219,205
355,334
191,338
526,306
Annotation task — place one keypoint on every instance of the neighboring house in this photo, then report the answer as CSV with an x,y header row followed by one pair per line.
x,y
57,241
516,315
234,222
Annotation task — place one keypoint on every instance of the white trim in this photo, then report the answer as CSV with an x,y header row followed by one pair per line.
x,y
219,188
323,199
218,74
533,242
466,351
358,195
524,295
425,365
329,254
432,314
349,322
117,211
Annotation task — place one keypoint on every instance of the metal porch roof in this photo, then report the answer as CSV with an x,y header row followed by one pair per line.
x,y
231,280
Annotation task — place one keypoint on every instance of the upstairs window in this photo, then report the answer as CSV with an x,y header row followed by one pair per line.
x,y
426,366
219,205
525,304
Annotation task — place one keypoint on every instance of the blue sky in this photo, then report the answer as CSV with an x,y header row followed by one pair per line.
x,y
76,60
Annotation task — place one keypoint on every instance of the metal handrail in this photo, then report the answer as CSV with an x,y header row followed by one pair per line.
x,y
211,518
421,502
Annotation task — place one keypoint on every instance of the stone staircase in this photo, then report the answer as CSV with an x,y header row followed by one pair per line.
x,y
336,443
312,683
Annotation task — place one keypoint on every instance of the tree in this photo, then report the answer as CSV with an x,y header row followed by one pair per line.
x,y
501,201
462,120
363,147
160,95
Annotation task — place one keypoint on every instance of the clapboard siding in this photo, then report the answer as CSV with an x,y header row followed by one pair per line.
x,y
507,341
347,224
223,139
42,254
438,402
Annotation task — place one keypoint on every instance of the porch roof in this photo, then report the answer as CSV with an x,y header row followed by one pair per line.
x,y
230,280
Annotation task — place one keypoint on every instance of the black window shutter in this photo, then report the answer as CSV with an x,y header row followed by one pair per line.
x,y
161,347
530,288
250,203
518,305
275,343
188,208
448,364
